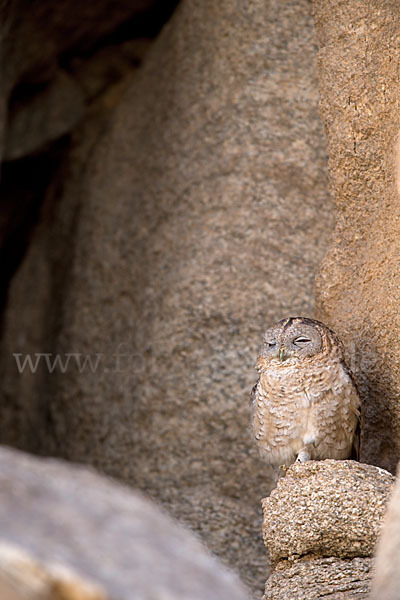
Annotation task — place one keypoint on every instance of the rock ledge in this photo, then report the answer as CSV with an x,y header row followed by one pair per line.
x,y
320,526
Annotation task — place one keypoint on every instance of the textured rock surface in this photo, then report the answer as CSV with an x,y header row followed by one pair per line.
x,y
84,537
386,583
54,112
330,508
320,526
33,45
359,283
35,39
312,579
3,95
23,577
200,220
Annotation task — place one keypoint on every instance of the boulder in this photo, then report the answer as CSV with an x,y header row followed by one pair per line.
x,y
326,508
39,101
40,34
358,287
320,526
328,578
69,534
52,113
386,582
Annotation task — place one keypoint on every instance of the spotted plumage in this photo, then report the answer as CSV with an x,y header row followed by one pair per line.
x,y
305,405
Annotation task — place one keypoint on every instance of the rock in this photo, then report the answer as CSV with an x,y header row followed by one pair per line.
x,y
327,508
320,526
386,583
163,260
329,578
22,578
40,34
36,37
105,68
35,330
358,288
3,96
71,534
50,114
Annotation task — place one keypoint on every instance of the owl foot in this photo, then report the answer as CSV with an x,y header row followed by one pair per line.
x,y
303,456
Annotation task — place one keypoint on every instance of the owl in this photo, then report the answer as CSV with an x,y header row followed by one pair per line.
x,y
305,404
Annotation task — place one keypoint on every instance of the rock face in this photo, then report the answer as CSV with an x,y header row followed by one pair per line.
x,y
38,100
320,526
163,261
358,286
34,46
54,62
52,113
327,508
328,578
68,531
386,582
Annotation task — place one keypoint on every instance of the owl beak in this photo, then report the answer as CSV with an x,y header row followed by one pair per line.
x,y
282,354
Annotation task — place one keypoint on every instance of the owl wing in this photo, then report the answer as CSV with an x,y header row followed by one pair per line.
x,y
253,392
253,402
355,449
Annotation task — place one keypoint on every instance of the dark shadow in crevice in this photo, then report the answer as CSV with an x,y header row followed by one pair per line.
x,y
23,186
24,182
147,24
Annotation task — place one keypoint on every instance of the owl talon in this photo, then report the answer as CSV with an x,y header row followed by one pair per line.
x,y
303,456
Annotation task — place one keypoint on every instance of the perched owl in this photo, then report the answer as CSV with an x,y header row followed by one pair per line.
x,y
305,405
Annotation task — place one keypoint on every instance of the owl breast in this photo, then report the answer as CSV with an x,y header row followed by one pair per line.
x,y
316,408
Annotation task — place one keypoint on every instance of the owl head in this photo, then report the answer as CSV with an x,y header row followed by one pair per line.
x,y
297,340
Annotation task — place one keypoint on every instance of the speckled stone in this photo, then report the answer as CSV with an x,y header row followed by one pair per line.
x,y
53,113
358,288
35,37
67,533
326,508
36,34
315,578
386,583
